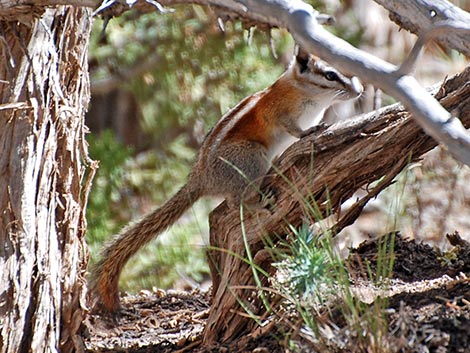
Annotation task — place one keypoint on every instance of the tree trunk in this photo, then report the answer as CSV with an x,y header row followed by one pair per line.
x,y
44,92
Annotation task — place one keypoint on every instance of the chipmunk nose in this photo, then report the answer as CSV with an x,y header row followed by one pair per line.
x,y
356,85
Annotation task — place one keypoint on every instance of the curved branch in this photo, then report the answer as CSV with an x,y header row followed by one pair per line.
x,y
409,65
302,21
420,16
107,84
299,19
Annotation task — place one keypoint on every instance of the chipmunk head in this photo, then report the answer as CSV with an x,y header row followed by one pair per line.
x,y
316,77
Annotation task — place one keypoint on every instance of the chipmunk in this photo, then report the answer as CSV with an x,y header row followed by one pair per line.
x,y
235,154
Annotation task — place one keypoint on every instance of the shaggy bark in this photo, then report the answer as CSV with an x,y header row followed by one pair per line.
x,y
44,92
320,173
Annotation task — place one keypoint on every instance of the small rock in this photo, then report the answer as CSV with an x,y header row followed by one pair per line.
x,y
260,350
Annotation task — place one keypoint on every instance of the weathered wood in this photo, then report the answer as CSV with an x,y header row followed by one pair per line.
x,y
44,93
324,171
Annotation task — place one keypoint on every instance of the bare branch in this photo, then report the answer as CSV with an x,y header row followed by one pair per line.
x,y
300,20
420,16
304,24
26,10
408,66
107,84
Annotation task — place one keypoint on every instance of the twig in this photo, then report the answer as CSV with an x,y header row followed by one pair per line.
x,y
408,66
419,16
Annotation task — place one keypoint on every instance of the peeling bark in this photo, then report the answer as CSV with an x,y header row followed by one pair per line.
x,y
44,92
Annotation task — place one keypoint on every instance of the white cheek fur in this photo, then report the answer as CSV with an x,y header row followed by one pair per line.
x,y
311,116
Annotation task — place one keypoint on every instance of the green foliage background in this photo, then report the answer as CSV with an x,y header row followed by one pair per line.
x,y
195,73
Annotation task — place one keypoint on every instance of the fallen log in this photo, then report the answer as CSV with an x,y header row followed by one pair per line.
x,y
311,180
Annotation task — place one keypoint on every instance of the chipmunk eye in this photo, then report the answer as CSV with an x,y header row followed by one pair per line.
x,y
331,76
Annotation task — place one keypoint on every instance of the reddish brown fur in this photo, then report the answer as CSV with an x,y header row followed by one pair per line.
x,y
261,121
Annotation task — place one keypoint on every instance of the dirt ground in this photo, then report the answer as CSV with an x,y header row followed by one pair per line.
x,y
428,310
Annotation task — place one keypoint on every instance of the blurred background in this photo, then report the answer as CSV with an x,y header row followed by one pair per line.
x,y
160,81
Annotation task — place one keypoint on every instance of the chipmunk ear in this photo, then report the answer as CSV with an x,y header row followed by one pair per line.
x,y
301,58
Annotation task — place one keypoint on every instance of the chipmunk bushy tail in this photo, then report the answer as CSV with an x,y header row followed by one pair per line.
x,y
105,276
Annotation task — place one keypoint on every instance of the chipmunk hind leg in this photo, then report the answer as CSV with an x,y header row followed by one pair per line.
x,y
239,169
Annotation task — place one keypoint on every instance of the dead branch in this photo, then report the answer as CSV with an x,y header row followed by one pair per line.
x,y
304,23
420,16
300,20
324,171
